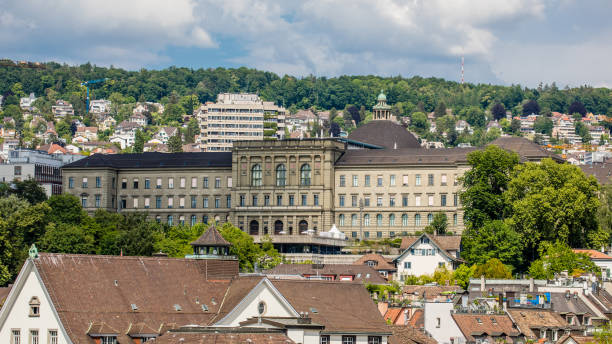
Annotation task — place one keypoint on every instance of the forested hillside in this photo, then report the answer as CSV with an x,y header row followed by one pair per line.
x,y
407,94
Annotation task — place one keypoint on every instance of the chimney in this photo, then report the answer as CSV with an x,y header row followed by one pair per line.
x,y
531,284
482,283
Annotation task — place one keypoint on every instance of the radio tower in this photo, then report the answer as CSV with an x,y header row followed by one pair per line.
x,y
462,70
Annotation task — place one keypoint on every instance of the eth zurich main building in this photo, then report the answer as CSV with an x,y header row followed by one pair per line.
x,y
377,183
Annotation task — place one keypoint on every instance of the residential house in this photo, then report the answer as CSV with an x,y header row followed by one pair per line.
x,y
62,109
493,125
487,328
385,267
163,135
536,325
139,119
596,132
85,134
301,120
26,103
7,132
148,106
423,254
8,145
463,126
155,147
602,260
439,323
576,339
50,134
125,134
106,122
73,149
99,106
327,272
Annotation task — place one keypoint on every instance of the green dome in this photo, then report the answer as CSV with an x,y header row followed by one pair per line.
x,y
382,96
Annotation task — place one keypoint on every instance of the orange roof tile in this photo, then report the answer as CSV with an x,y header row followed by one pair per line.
x,y
594,254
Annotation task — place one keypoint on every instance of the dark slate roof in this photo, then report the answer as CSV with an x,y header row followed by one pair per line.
x,y
601,171
385,134
526,149
156,160
211,237
424,156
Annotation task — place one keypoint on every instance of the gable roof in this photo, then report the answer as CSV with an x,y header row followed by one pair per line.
x,y
576,338
443,244
529,319
362,273
409,335
594,254
526,149
382,263
211,237
222,336
491,325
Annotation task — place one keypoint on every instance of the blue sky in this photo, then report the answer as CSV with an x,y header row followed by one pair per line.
x,y
504,42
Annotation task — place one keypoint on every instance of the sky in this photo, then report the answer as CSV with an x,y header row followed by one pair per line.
x,y
503,42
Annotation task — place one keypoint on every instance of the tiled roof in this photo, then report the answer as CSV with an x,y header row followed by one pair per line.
x,y
345,307
392,314
430,292
594,254
489,325
561,304
526,149
382,263
529,319
4,293
418,319
156,160
222,338
361,273
420,156
445,242
577,339
385,134
211,237
409,335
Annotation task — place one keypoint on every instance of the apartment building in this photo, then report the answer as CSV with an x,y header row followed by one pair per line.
x,y
100,106
62,109
237,117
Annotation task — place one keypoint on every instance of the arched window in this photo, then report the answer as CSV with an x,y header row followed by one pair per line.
x,y
281,175
404,220
429,218
278,227
341,220
34,307
254,228
354,220
392,220
417,219
379,220
455,220
303,226
194,220
305,175
256,175
366,219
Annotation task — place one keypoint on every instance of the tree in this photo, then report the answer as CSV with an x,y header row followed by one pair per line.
x,y
6,257
531,107
440,109
354,113
175,143
463,274
438,225
193,129
557,257
66,208
419,122
249,254
498,111
582,131
66,238
475,116
485,183
139,142
175,241
577,107
28,190
493,240
515,126
543,125
493,268
334,129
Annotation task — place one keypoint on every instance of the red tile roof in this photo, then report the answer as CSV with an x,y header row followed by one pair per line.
x,y
221,338
491,326
594,254
409,335
382,263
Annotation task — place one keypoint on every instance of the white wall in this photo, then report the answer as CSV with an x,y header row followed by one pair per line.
x,y
19,318
422,265
448,328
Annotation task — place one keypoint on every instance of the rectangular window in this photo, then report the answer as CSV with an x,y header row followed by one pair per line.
x,y
324,339
217,202
205,202
254,200
417,180
430,200
342,180
34,337
438,319
405,180
170,183
98,182
84,201
170,202
147,202
193,220
374,340
407,265
379,181
366,182
366,201
84,182
205,182
455,200
124,183
16,336
417,201
71,183
392,201
455,219
229,182
353,220
147,183
52,336
135,184
158,184
242,200
355,181
353,201
181,202
404,201
97,200
17,170
158,201
304,200
315,200
443,179
194,182
341,200
392,180
135,203
430,179
182,182
217,183
228,201
443,200
291,200
379,201
379,234
266,200
279,200
455,180
194,202
113,340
